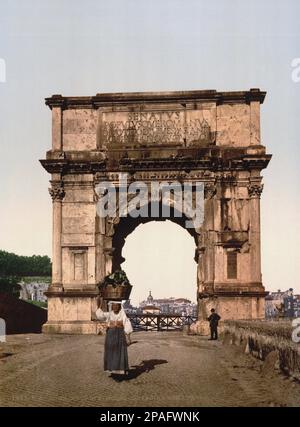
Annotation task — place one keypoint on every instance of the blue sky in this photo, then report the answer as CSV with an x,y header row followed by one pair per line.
x,y
86,47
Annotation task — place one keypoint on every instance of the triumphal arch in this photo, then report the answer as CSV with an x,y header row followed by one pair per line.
x,y
206,137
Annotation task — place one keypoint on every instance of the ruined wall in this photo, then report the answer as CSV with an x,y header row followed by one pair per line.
x,y
268,341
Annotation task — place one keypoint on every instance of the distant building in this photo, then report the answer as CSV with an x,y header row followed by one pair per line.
x,y
282,304
33,289
151,309
179,306
297,306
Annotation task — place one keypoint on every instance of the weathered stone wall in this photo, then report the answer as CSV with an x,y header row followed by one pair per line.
x,y
80,129
233,125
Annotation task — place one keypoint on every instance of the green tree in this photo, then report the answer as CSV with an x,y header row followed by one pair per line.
x,y
16,265
10,285
13,267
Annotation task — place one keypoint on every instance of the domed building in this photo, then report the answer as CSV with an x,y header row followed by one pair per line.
x,y
149,307
172,305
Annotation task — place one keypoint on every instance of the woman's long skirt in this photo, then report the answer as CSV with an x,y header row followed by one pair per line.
x,y
115,351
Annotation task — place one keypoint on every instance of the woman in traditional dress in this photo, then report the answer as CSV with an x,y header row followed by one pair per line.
x,y
115,349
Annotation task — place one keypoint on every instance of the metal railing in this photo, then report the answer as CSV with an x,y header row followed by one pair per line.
x,y
160,322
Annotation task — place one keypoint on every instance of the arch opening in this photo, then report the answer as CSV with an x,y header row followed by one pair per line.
x,y
128,224
158,256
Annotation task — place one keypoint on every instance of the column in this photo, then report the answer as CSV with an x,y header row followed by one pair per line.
x,y
254,191
100,234
210,190
57,193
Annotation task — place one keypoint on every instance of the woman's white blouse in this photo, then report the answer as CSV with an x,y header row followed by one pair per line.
x,y
110,316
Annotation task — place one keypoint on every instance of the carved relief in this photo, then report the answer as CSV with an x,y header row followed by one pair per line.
x,y
228,178
210,190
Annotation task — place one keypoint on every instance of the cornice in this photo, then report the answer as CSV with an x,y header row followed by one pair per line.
x,y
216,161
108,99
72,293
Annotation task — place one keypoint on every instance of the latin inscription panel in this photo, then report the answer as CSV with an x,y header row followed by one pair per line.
x,y
161,127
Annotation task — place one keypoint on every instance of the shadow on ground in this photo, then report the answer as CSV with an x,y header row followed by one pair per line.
x,y
144,367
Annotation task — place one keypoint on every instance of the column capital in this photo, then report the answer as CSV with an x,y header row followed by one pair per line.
x,y
57,191
255,190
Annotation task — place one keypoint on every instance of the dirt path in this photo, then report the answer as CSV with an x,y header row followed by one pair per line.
x,y
167,369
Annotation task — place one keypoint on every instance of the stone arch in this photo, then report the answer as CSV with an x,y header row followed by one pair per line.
x,y
193,136
126,225
160,256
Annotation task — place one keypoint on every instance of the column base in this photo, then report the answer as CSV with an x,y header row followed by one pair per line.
x,y
74,327
201,327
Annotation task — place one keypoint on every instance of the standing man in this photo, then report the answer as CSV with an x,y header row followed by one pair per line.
x,y
213,324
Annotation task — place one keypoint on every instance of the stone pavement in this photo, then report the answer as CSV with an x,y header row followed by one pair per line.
x,y
167,369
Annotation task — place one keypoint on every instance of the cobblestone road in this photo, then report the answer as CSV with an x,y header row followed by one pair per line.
x,y
167,369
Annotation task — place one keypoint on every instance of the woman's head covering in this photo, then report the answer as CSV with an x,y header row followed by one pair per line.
x,y
126,322
110,303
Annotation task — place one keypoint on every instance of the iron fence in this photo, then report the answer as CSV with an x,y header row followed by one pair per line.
x,y
159,322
